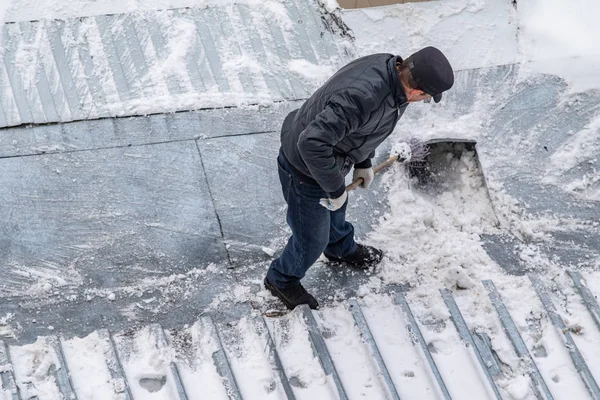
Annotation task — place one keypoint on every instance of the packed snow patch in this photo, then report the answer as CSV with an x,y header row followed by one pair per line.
x,y
6,330
581,148
318,74
549,29
87,366
472,33
32,364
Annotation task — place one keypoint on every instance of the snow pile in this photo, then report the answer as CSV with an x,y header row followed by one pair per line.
x,y
435,239
551,29
472,33
561,40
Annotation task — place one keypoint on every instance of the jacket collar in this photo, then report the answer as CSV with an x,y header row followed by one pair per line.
x,y
397,89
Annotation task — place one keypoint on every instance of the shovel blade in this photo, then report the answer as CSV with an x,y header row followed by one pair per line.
x,y
442,169
453,165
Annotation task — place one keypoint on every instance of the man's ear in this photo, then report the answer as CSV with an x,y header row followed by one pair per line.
x,y
413,92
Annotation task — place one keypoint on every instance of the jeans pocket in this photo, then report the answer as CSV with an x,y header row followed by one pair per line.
x,y
286,180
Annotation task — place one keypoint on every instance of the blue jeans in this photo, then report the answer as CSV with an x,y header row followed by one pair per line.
x,y
315,229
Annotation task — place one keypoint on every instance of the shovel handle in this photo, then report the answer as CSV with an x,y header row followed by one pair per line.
x,y
378,168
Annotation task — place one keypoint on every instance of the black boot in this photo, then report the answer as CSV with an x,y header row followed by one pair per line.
x,y
293,296
363,257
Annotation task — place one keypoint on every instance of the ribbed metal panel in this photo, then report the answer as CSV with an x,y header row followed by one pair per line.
x,y
152,62
7,378
115,367
320,349
539,386
576,356
467,337
63,376
209,334
163,343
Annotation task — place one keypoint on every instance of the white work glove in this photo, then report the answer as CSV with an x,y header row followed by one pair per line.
x,y
334,204
366,174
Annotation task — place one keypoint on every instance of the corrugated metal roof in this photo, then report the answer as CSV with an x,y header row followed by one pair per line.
x,y
160,61
127,365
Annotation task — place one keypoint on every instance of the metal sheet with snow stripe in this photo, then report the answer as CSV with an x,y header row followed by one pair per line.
x,y
510,329
61,369
169,60
365,331
7,379
467,337
564,333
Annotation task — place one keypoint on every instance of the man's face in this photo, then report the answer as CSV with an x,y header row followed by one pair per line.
x,y
416,95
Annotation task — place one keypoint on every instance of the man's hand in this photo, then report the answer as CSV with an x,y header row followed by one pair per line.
x,y
334,204
366,174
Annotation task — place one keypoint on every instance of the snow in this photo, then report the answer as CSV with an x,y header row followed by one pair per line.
x,y
424,233
249,355
87,365
561,41
5,329
32,364
549,30
199,374
353,361
146,365
310,71
551,355
303,369
582,146
407,367
471,33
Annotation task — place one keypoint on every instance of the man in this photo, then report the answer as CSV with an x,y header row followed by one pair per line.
x,y
338,127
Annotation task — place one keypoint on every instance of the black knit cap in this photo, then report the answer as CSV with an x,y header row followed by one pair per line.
x,y
431,71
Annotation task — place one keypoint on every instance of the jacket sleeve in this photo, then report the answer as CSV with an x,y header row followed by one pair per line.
x,y
345,111
367,163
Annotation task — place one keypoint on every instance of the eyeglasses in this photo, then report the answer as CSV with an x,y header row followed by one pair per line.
x,y
428,98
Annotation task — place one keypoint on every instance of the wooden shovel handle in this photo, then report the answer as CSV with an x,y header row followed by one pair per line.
x,y
378,168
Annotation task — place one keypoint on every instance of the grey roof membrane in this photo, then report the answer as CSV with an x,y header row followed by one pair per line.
x,y
98,205
88,206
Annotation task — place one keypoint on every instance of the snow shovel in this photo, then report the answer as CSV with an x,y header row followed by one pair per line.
x,y
404,152
429,162
447,163
439,169
436,165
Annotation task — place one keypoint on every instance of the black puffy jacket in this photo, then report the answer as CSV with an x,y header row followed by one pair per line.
x,y
344,121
